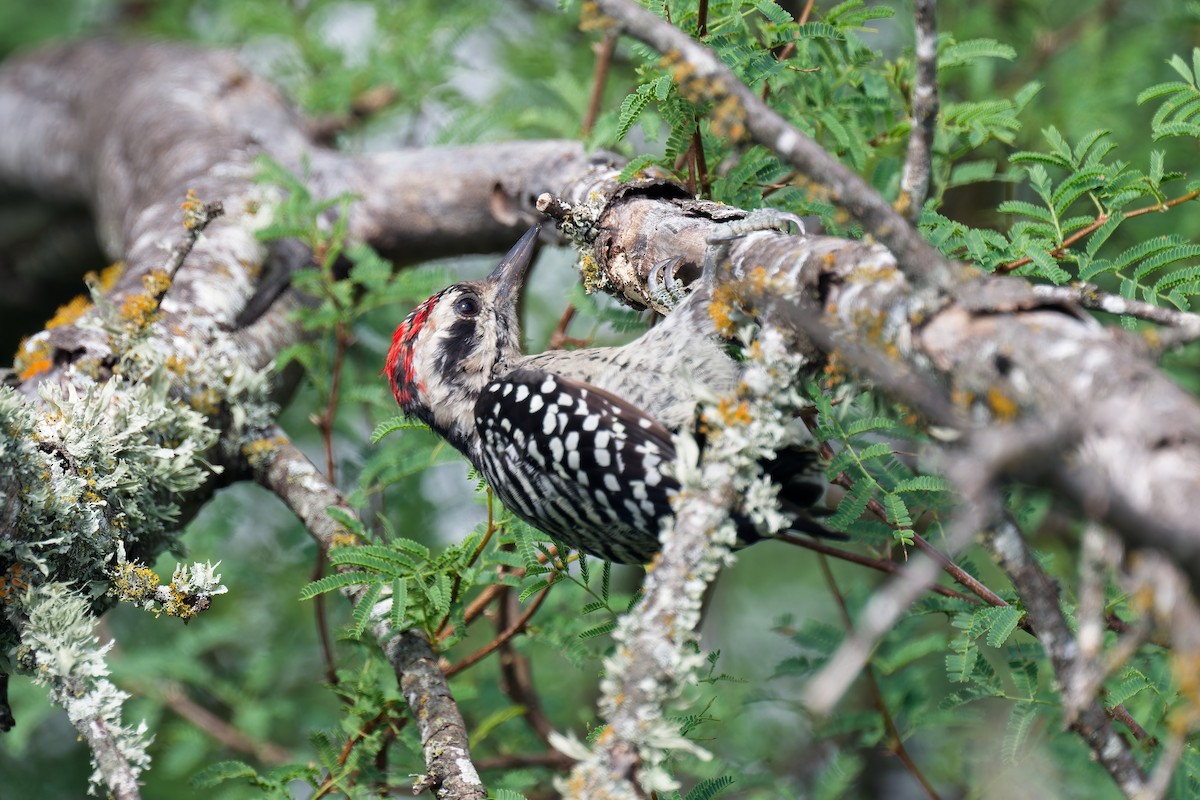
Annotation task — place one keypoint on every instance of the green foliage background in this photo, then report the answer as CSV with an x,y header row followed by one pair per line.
x,y
1049,119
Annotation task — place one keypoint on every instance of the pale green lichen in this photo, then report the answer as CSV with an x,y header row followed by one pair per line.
x,y
656,653
60,649
96,470
190,591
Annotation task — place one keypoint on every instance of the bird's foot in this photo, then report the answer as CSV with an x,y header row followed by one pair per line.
x,y
665,289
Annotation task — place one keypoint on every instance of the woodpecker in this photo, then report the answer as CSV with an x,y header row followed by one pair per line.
x,y
577,443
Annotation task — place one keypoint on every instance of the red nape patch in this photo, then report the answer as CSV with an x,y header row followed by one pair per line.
x,y
399,358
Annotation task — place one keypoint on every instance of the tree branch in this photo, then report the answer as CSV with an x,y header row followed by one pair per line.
x,y
918,161
287,472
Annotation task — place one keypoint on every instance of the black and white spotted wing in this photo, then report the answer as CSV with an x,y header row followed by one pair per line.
x,y
577,462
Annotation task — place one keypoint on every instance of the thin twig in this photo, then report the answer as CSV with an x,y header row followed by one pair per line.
x,y
604,55
1100,220
176,698
879,564
1039,593
1183,327
287,472
444,738
516,674
500,638
896,741
559,337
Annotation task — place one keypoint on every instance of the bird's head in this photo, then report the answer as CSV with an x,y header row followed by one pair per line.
x,y
445,351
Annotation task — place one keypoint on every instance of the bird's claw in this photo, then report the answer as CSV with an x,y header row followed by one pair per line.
x,y
666,291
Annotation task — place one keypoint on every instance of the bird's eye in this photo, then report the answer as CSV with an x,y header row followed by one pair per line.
x,y
467,306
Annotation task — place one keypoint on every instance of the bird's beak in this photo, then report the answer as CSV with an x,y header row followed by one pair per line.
x,y
509,273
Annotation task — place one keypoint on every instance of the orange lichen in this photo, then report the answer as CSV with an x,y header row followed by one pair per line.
x,y
13,582
34,357
69,313
141,310
722,309
734,412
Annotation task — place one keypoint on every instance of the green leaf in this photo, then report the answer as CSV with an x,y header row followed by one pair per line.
x,y
634,167
819,30
1026,209
772,12
333,582
959,53
1133,683
399,603
1160,90
215,774
853,504
1016,732
631,108
364,607
1098,237
897,512
922,483
397,423
1001,622
1181,66
347,519
709,788
867,424
600,630
533,589
1074,187
505,794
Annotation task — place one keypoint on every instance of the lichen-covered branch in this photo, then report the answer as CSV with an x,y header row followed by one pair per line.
x,y
138,404
700,74
1039,594
279,466
655,653
918,159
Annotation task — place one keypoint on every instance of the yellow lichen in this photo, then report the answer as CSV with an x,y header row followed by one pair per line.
x,y
344,538
193,211
175,364
1003,406
207,401
722,308
107,278
259,451
139,311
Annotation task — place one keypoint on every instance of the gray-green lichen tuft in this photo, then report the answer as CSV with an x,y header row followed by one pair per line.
x,y
60,649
